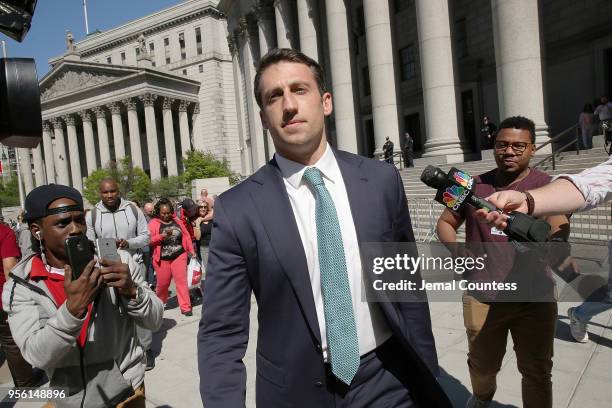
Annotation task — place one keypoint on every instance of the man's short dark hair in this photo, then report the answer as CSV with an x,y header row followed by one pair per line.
x,y
276,55
519,122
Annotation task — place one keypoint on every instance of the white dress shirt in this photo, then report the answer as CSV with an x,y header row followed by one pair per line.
x,y
372,329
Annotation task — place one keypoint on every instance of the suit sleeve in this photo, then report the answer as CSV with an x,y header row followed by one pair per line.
x,y
224,329
416,314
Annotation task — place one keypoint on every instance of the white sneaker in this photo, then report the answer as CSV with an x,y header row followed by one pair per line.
x,y
577,328
474,402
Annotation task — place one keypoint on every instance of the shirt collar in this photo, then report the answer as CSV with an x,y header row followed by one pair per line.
x,y
293,171
40,270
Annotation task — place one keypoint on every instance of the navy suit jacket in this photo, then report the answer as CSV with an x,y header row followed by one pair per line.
x,y
256,248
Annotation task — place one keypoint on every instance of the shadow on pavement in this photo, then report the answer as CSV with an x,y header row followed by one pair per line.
x,y
160,335
563,333
459,394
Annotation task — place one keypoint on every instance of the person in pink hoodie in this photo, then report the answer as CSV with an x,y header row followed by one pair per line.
x,y
171,243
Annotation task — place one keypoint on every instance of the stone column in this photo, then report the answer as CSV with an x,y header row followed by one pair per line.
x,y
184,127
267,41
151,127
61,159
169,137
246,45
39,165
308,27
342,77
105,155
75,157
49,156
516,36
88,138
241,110
134,130
265,26
25,166
115,110
438,79
195,123
382,74
285,26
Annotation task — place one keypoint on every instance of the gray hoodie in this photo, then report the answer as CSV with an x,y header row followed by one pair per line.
x,y
120,224
112,361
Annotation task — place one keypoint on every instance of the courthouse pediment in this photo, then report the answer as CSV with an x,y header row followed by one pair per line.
x,y
70,77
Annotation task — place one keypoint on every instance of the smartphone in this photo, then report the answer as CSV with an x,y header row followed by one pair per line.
x,y
107,249
79,252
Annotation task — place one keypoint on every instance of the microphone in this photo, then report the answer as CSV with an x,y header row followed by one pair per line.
x,y
456,190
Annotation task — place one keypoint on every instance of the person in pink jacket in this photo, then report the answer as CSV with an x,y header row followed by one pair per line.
x,y
171,243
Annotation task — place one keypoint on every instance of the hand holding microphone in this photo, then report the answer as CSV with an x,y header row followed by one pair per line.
x,y
456,190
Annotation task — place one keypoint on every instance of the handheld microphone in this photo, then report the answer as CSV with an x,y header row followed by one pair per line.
x,y
456,190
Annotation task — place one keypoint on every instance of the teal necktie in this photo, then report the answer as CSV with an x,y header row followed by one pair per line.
x,y
342,344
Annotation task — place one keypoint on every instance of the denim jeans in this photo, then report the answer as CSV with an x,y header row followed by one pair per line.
x,y
587,310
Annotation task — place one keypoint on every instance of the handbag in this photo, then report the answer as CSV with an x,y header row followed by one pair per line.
x,y
194,273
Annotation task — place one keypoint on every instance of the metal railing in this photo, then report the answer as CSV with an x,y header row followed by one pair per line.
x,y
424,214
559,150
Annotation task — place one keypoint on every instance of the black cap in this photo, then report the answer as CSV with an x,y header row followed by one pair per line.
x,y
38,200
189,206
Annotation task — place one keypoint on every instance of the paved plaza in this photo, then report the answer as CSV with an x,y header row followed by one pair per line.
x,y
581,373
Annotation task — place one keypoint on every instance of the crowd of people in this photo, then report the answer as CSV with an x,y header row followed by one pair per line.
x,y
50,317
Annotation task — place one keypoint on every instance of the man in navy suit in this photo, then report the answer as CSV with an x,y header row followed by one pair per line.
x,y
290,234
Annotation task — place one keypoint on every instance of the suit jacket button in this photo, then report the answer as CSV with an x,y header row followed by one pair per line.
x,y
319,384
319,349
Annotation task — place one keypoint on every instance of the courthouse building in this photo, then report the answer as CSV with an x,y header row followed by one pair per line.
x,y
432,68
152,88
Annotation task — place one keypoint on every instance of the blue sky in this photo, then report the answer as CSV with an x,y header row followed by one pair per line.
x,y
47,37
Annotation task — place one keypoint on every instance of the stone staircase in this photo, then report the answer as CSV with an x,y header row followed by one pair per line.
x,y
591,226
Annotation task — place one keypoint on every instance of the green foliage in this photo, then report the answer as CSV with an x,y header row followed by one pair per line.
x,y
168,187
9,192
199,164
134,183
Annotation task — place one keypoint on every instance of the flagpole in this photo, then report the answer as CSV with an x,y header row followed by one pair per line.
x,y
86,22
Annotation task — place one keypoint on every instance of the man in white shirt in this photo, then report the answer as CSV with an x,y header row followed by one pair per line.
x,y
290,234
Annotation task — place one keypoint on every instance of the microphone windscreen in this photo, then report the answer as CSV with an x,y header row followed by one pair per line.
x,y
434,177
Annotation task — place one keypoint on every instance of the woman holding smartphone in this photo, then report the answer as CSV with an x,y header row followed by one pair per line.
x,y
202,229
171,243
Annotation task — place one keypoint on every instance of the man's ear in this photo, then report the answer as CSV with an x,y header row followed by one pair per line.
x,y
35,230
264,121
328,105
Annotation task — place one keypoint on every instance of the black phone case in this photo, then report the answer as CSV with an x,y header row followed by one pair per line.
x,y
78,250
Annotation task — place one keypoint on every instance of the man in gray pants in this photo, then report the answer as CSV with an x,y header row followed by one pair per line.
x,y
114,217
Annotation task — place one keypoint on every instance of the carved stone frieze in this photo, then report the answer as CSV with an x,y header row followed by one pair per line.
x,y
73,81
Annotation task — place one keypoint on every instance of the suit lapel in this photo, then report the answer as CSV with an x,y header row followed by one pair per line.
x,y
274,209
362,196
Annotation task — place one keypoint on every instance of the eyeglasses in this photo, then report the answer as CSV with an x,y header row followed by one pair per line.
x,y
518,147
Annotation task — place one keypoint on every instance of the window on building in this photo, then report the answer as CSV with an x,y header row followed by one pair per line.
x,y
152,49
401,5
198,33
123,57
360,29
408,62
182,45
184,72
201,68
137,49
167,60
152,63
167,49
461,40
365,73
109,60
166,42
